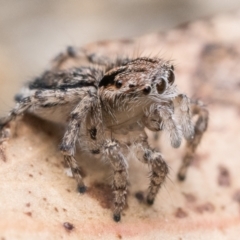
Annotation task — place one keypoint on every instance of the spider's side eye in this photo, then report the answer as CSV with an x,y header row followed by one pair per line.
x,y
161,86
118,83
147,90
171,77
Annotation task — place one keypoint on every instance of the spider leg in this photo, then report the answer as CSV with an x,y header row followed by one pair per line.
x,y
153,121
167,122
80,54
77,119
42,99
159,168
20,108
200,127
120,177
180,108
182,111
71,53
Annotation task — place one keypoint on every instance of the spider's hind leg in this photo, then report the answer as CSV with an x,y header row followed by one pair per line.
x,y
192,144
80,56
19,108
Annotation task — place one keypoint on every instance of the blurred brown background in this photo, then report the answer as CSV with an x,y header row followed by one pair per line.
x,y
32,32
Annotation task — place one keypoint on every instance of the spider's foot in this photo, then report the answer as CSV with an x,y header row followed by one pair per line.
x,y
181,177
182,174
4,133
116,217
1,126
82,189
150,201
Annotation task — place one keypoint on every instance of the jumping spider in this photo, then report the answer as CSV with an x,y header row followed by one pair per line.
x,y
106,105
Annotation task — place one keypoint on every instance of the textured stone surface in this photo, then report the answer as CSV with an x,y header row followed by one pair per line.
x,y
39,201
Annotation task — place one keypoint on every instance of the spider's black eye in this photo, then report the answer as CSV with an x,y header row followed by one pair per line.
x,y
161,86
171,77
118,83
147,90
172,67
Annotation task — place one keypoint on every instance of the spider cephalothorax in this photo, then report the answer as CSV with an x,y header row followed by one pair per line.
x,y
107,105
141,88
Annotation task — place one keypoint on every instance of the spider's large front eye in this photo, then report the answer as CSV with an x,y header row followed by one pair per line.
x,y
161,86
118,83
171,77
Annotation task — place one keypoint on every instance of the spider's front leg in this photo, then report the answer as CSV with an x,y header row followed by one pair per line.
x,y
197,108
120,177
160,117
183,113
159,168
77,119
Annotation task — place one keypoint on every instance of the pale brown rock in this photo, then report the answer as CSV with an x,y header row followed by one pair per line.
x,y
38,198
